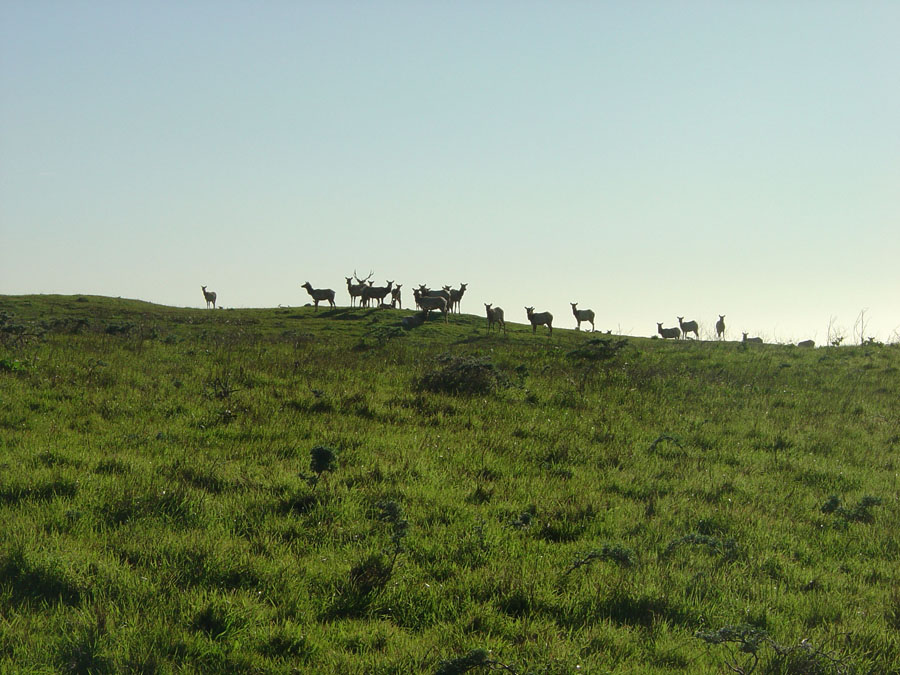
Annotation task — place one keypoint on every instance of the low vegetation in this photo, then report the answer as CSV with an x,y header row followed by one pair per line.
x,y
291,490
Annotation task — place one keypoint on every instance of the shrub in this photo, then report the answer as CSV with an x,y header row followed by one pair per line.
x,y
467,375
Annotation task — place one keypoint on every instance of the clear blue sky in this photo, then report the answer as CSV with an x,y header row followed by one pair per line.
x,y
646,159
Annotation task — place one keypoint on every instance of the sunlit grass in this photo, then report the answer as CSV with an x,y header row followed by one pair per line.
x,y
268,490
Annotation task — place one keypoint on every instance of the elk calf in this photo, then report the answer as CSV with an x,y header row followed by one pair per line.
x,y
807,343
754,340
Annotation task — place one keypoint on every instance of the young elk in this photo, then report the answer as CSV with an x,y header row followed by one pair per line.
x,y
668,332
756,340
319,294
396,302
583,315
210,297
688,327
807,343
539,319
720,327
456,295
495,316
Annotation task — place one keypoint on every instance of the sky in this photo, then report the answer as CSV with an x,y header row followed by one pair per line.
x,y
647,160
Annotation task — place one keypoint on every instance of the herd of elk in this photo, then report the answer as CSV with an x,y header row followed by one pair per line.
x,y
447,300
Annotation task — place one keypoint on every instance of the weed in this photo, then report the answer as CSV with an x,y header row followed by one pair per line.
x,y
525,518
8,365
615,553
477,658
860,513
745,642
727,549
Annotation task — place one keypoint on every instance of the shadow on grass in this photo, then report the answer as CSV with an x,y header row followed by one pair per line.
x,y
14,494
623,608
25,579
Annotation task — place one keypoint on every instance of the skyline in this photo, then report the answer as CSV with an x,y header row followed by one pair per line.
x,y
649,161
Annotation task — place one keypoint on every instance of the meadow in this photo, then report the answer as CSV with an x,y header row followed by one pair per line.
x,y
285,490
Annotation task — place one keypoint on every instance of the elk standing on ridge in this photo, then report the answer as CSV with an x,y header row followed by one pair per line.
x,y
668,332
319,294
455,296
396,302
688,327
583,315
495,316
355,290
431,302
376,293
425,292
210,297
539,319
720,327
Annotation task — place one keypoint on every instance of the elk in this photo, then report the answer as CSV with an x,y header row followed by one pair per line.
x,y
355,290
807,343
425,292
376,293
431,302
396,302
668,332
319,294
583,315
756,340
720,327
539,319
495,316
210,297
688,327
456,295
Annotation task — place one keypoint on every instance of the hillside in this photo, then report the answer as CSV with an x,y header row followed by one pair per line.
x,y
284,490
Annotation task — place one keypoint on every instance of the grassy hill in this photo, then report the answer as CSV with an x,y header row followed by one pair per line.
x,y
283,490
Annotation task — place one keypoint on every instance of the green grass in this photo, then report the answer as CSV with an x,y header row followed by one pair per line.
x,y
552,505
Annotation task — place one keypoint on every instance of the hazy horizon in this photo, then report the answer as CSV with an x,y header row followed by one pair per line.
x,y
648,160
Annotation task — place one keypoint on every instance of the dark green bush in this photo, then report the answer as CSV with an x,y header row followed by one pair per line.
x,y
467,375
